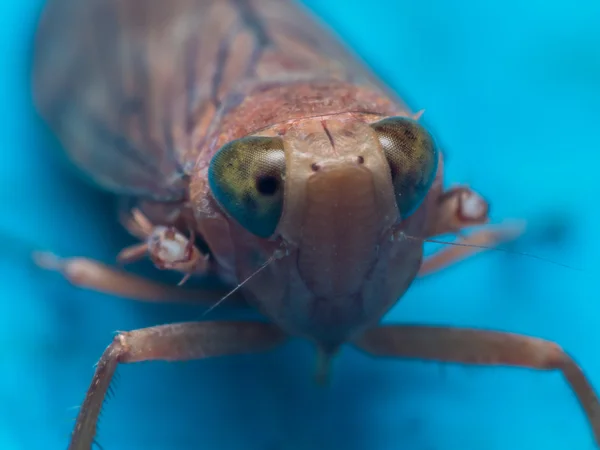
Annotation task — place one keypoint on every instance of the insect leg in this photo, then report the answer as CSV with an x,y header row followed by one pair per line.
x,y
470,246
133,253
481,347
91,274
457,209
166,246
175,342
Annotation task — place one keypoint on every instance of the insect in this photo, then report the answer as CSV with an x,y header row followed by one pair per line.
x,y
247,142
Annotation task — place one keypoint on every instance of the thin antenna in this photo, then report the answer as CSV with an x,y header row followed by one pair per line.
x,y
273,257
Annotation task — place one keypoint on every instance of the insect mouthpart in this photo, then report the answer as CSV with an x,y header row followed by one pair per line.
x,y
340,229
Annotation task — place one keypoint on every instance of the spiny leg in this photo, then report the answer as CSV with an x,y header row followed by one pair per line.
x,y
481,347
93,275
457,209
175,342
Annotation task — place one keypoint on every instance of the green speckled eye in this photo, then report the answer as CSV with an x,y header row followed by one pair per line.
x,y
413,157
246,178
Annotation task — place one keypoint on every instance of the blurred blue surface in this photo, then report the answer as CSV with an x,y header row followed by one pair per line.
x,y
512,90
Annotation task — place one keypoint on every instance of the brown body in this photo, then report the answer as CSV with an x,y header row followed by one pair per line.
x,y
152,92
144,93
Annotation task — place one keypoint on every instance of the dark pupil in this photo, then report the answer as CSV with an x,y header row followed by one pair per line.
x,y
267,185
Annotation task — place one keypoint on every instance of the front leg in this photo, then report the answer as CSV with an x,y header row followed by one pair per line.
x,y
93,275
452,212
470,346
456,209
166,246
175,342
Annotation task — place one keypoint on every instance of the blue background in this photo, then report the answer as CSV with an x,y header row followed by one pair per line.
x,y
511,89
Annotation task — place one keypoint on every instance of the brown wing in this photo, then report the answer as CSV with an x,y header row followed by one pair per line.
x,y
132,86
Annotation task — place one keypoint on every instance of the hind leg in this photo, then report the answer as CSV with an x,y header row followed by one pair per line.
x,y
175,342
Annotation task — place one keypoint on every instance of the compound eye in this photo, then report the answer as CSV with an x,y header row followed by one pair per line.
x,y
412,156
246,177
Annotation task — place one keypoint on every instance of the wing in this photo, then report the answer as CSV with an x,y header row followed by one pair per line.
x,y
131,87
